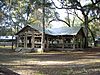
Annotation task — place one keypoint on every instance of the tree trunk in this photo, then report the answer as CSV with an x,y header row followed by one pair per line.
x,y
43,32
86,31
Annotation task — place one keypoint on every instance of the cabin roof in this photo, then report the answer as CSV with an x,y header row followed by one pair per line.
x,y
6,37
64,31
56,31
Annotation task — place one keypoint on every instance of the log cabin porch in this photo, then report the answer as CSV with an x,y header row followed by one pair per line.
x,y
68,38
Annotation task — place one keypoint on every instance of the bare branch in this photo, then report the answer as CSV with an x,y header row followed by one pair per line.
x,y
59,20
93,19
65,6
92,1
78,16
73,21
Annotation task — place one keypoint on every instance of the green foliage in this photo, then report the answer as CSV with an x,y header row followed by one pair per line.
x,y
23,12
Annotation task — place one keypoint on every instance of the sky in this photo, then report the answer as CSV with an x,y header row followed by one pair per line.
x,y
57,24
62,12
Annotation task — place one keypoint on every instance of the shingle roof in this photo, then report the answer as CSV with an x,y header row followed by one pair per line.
x,y
57,31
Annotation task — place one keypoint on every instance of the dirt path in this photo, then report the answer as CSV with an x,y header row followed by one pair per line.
x,y
53,63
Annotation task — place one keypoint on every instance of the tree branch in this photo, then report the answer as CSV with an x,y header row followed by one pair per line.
x,y
59,20
93,19
64,7
78,16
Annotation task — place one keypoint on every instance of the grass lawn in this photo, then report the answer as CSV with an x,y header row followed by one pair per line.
x,y
98,45
52,63
7,47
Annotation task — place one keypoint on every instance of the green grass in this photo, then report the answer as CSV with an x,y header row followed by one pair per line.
x,y
7,47
98,45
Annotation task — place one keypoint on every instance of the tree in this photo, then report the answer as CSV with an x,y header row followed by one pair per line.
x,y
20,11
85,10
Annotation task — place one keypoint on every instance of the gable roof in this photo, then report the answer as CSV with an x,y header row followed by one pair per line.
x,y
64,31
56,31
33,27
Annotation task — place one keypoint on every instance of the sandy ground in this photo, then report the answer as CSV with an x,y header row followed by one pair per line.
x,y
86,62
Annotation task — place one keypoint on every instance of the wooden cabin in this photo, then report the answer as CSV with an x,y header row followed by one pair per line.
x,y
63,38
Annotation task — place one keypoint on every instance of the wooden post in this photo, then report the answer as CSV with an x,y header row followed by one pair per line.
x,y
73,42
77,45
81,41
52,43
47,42
62,42
17,39
33,40
25,40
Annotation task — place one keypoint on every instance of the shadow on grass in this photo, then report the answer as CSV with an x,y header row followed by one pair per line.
x,y
87,69
71,56
10,59
5,71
